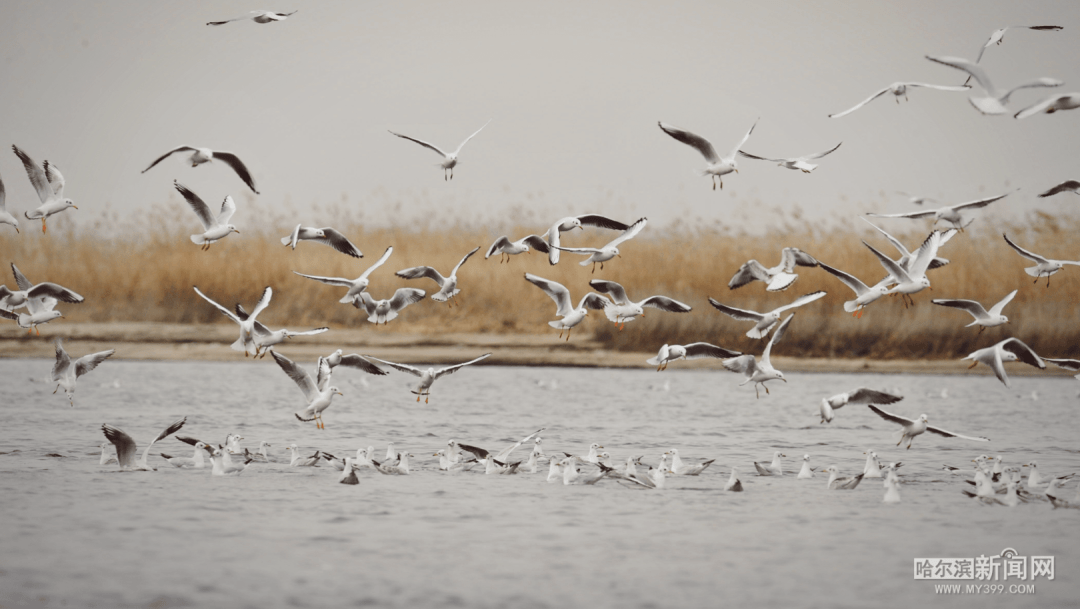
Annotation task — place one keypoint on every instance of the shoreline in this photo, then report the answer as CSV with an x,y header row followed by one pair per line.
x,y
141,341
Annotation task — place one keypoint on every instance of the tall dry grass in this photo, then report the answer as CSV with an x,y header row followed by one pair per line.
x,y
143,269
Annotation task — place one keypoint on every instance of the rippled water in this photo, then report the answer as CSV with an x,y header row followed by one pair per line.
x,y
79,534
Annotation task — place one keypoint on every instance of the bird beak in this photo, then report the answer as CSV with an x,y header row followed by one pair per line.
x,y
785,380
339,393
75,206
17,230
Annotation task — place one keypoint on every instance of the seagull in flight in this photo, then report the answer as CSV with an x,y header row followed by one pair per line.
x,y
564,306
800,162
917,427
763,322
855,397
257,17
1067,186
949,214
610,250
125,445
625,310
717,166
65,371
11,300
670,353
248,338
779,277
1050,105
760,372
505,248
325,235
450,159
995,100
205,155
983,318
447,285
998,36
318,392
429,376
572,222
1008,350
356,286
1043,266
48,182
265,338
382,311
913,279
216,228
898,89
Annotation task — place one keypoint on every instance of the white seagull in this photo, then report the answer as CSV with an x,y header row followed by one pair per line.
x,y
918,426
1067,186
678,468
39,311
356,286
898,89
1008,350
760,372
214,228
125,446
624,310
717,166
949,214
733,483
5,216
800,162
450,159
998,36
983,318
447,285
837,483
265,338
1050,105
670,353
859,396
205,155
505,248
779,277
49,184
995,100
805,471
353,360
325,235
1043,266
382,311
864,295
257,17
429,376
572,222
247,340
11,300
65,371
776,468
317,392
906,257
564,306
764,321
913,279
607,252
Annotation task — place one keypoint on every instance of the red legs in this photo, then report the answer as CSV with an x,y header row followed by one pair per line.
x,y
38,330
567,334
594,268
973,364
55,390
417,396
714,182
427,395
43,229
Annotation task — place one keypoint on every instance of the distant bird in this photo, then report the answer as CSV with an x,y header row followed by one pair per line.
x,y
1008,350
247,340
670,353
983,318
918,426
356,286
776,468
348,473
65,371
49,184
800,162
609,251
805,472
838,483
382,311
995,100
898,89
733,483
859,396
1050,105
1067,186
215,228
504,247
429,376
864,295
318,392
5,217
624,310
912,280
353,360
764,321
916,199
761,372
1043,266
564,306
265,338
1068,364
447,285
779,277
27,291
125,446
572,222
679,468
257,17
717,166
450,159
205,155
998,36
325,235
949,214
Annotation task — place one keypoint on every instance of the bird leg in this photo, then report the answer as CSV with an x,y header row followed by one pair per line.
x,y
43,225
418,396
757,393
37,329
1047,280
973,364
901,441
567,334
594,268
981,328
560,335
428,395
766,388
55,390
714,182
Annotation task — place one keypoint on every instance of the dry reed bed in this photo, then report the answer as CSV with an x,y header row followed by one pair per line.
x,y
148,277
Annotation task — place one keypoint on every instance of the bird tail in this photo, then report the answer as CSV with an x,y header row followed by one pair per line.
x,y
198,239
1032,270
850,306
238,345
653,361
37,215
286,240
557,324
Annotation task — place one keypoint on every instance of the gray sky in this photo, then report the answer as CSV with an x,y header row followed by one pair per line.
x,y
574,91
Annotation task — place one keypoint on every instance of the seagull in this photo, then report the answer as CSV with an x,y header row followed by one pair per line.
x,y
592,456
733,483
223,466
325,235
764,321
857,397
776,468
450,160
298,461
912,280
998,36
125,446
836,483
799,162
918,426
983,318
1067,186
1008,350
678,468
670,353
195,461
65,372
481,454
624,310
429,376
401,468
995,100
318,392
806,471
779,277
348,473
5,217
353,360
216,228
564,306
356,286
572,475
382,311
607,252
265,339
949,214
906,257
864,295
504,247
760,372
1050,105
1068,364
717,166
572,222
447,285
898,89
916,199
205,155
257,17
11,300
40,311
871,469
1043,266
49,184
247,340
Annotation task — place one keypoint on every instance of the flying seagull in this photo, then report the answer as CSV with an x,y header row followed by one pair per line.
x,y
257,17
995,100
1008,350
1050,105
859,396
65,371
760,372
917,427
1067,186
447,285
580,222
216,228
983,318
764,321
670,353
1043,266
48,182
318,392
382,311
356,286
609,251
898,89
949,214
450,159
429,376
325,235
125,446
205,155
504,247
779,277
564,306
800,162
717,166
625,310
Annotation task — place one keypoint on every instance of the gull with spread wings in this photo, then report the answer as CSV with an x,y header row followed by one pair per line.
x,y
572,222
1043,266
215,228
382,311
760,372
564,306
205,155
777,278
995,100
862,395
918,426
670,353
718,166
625,310
763,322
950,213
983,318
1008,350
326,236
898,89
265,338
447,285
247,340
913,279
318,392
48,182
356,286
429,376
257,17
1050,105
506,248
799,162
450,159
65,371
608,251
125,445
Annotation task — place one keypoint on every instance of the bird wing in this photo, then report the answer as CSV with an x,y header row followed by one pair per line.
x,y
926,254
997,308
616,291
665,304
10,315
629,233
979,203
777,336
890,265
702,350
480,453
419,272
201,209
792,256
36,175
818,155
55,178
862,103
939,87
975,70
322,377
467,256
601,222
731,156
1040,107
264,301
849,280
585,251
227,312
422,143
170,430
896,243
499,243
241,313
738,314
693,140
338,281
1068,364
974,308
751,270
761,158
1023,252
948,434
801,300
888,416
504,453
63,360
340,243
910,214
164,156
592,300
404,297
3,197
125,446
298,375
87,363
356,361
1068,185
228,208
743,364
52,290
238,166
462,145
1022,352
401,367
305,333
537,243
863,395
250,15
456,367
556,291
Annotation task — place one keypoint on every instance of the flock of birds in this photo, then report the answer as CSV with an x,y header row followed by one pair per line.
x,y
905,275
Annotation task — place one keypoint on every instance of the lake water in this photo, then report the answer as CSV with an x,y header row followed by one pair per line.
x,y
76,534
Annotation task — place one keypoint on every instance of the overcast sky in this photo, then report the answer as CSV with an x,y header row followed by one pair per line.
x,y
573,90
